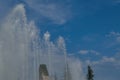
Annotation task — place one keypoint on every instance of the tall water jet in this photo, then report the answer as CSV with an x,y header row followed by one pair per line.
x,y
16,39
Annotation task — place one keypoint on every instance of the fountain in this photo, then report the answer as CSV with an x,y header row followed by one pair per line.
x,y
22,50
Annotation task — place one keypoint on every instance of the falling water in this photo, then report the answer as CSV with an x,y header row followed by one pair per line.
x,y
22,50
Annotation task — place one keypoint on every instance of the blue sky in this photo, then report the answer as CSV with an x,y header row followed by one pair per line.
x,y
91,29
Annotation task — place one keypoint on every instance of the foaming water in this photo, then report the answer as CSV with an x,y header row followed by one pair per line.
x,y
22,50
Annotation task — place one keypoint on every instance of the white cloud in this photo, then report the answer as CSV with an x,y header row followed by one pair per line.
x,y
113,39
117,1
59,13
107,59
111,34
89,52
94,52
118,39
106,67
83,51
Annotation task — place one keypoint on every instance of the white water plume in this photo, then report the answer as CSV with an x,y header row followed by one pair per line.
x,y
22,50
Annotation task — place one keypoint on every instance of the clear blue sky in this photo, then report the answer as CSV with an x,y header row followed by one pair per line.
x,y
91,29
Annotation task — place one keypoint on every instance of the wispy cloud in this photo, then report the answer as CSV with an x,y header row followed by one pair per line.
x,y
105,65
105,60
111,34
117,1
112,39
83,51
58,13
89,52
115,36
108,59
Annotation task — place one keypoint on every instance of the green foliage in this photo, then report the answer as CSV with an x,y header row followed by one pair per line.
x,y
90,74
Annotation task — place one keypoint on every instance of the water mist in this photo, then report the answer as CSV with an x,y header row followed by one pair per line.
x,y
22,50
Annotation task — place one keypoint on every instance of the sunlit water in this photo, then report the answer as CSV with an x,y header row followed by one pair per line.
x,y
22,50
